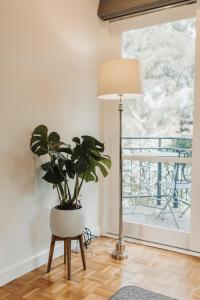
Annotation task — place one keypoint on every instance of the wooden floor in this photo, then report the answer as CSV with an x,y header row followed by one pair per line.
x,y
165,272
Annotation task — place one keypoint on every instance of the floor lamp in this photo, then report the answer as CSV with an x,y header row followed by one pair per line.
x,y
119,79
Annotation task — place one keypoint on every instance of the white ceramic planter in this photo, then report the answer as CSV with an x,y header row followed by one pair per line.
x,y
67,223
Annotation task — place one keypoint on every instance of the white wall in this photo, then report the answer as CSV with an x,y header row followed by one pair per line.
x,y
49,54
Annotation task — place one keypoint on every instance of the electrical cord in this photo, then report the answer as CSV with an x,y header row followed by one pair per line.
x,y
88,237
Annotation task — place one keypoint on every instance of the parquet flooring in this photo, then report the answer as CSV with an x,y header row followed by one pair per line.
x,y
172,274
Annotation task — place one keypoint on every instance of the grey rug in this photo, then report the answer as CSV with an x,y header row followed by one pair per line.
x,y
136,293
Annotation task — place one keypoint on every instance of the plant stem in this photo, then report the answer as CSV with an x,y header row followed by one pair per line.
x,y
58,191
68,190
76,190
80,185
65,191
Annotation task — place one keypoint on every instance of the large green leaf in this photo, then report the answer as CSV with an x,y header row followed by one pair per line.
x,y
70,168
39,149
54,176
54,138
76,153
81,165
102,168
95,155
65,149
46,166
100,146
89,175
87,156
76,140
41,130
97,144
39,144
106,161
88,143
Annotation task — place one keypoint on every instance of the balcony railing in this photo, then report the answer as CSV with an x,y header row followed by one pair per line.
x,y
157,175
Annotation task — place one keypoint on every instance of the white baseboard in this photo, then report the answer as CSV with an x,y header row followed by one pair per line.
x,y
34,262
153,244
28,265
96,230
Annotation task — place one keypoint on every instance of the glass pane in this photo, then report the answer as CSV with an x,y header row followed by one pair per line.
x,y
160,125
157,194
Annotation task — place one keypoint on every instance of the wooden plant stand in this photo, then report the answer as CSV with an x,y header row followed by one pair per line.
x,y
67,251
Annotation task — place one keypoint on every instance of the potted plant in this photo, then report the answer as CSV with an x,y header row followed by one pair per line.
x,y
67,168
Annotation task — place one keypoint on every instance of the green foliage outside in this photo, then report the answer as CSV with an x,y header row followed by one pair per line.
x,y
167,56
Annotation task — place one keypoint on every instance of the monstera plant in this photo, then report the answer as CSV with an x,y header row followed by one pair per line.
x,y
67,167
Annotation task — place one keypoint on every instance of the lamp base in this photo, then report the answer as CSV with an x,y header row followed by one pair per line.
x,y
120,250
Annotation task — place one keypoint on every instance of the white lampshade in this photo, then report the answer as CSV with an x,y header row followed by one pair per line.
x,y
119,77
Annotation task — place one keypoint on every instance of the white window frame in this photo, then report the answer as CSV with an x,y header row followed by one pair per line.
x,y
109,123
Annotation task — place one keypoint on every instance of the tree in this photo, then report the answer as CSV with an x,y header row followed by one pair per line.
x,y
167,56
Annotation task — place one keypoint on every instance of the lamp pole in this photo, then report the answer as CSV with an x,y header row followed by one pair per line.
x,y
119,78
120,251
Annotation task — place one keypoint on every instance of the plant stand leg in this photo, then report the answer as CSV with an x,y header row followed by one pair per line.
x,y
82,251
69,257
53,238
65,250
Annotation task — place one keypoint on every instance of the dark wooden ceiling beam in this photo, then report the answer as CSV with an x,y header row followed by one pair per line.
x,y
111,9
